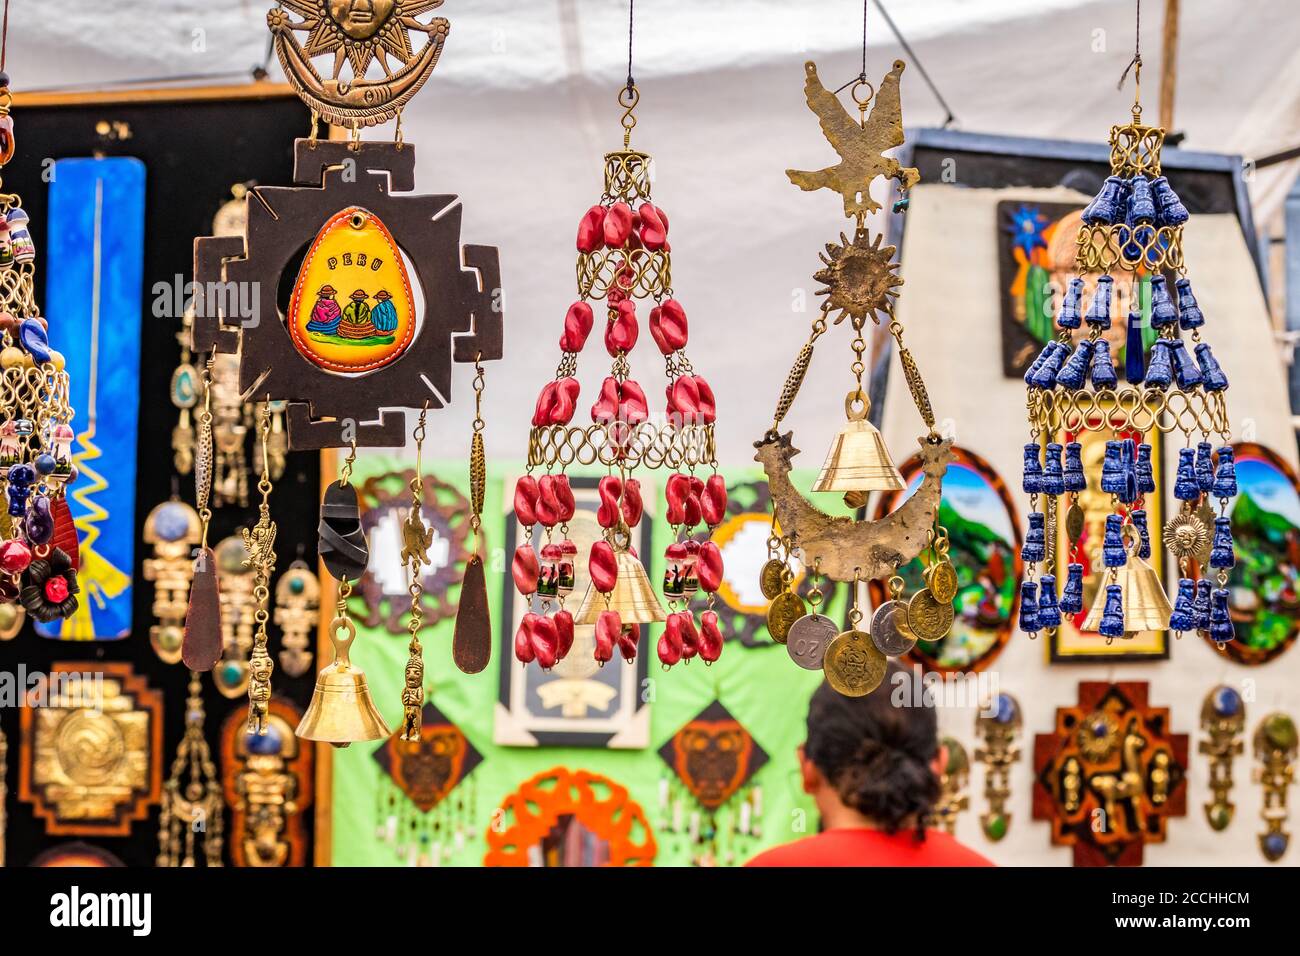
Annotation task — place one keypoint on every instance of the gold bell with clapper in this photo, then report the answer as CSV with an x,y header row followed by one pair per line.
x,y
858,460
1145,605
633,597
341,710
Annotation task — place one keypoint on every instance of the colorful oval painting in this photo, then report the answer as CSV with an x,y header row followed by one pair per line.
x,y
1264,587
985,552
352,309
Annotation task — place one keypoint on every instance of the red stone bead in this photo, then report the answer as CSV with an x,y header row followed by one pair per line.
x,y
565,503
622,331
523,639
708,566
608,627
670,642
565,402
548,506
619,220
15,556
632,406
545,640
629,636
608,488
654,226
545,399
603,566
713,502
708,406
668,326
564,634
591,229
676,490
690,636
633,506
605,409
526,500
710,637
56,589
524,569
683,401
577,326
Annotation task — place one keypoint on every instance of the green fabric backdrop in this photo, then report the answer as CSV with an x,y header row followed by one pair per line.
x,y
761,687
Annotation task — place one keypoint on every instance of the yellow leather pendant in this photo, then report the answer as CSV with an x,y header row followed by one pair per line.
x,y
352,309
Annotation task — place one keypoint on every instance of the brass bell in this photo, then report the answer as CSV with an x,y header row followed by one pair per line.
x,y
1146,606
858,460
633,597
341,710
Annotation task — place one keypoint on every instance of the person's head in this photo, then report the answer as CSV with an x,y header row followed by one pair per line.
x,y
866,757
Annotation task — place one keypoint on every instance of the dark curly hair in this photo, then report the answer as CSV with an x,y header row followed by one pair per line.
x,y
876,754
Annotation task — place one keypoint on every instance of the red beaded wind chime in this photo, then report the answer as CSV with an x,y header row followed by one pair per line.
x,y
623,256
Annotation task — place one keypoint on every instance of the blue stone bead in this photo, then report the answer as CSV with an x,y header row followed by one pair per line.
x,y
1160,369
1029,607
1053,482
1146,479
264,745
1035,546
1186,487
1163,313
1225,475
1070,316
1033,476
1221,630
1045,377
1103,369
1141,201
1275,844
1135,366
1112,468
1170,210
1189,313
1202,604
1184,616
1139,519
1109,206
1186,370
1038,361
172,521
1221,553
1049,612
1072,596
1074,373
1227,702
1113,552
1112,615
1212,376
32,337
1005,709
45,463
1205,465
1075,480
1099,310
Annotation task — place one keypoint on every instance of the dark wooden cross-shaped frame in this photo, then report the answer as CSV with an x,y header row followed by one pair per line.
x,y
462,316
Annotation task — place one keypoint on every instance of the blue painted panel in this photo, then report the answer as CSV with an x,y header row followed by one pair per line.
x,y
94,272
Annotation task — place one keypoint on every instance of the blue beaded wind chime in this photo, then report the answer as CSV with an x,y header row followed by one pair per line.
x,y
1134,226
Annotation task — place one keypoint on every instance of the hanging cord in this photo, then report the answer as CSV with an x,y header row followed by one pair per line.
x,y
1136,62
861,78
631,16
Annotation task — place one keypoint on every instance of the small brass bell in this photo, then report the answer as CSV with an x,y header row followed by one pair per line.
x,y
633,597
1146,606
858,460
341,710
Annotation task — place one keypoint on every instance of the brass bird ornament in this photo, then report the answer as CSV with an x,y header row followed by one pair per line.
x,y
859,144
416,539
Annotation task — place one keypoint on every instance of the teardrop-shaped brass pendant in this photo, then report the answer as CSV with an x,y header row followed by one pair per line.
x,y
471,645
201,646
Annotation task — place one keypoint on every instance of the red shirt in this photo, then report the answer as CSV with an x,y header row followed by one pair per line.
x,y
860,846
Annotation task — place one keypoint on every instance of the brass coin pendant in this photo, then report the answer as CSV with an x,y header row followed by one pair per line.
x,y
771,579
1074,524
808,638
927,618
785,609
853,666
943,582
889,630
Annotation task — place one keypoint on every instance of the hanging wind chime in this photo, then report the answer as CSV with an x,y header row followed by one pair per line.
x,y
623,256
1132,231
38,542
860,281
351,346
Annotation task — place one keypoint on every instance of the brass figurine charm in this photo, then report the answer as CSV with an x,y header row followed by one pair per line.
x,y
260,543
953,798
1275,749
297,613
174,529
999,726
1223,718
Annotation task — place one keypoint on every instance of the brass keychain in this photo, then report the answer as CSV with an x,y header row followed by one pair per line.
x,y
416,538
260,543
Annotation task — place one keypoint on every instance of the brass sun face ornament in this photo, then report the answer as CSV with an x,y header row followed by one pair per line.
x,y
861,278
358,34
